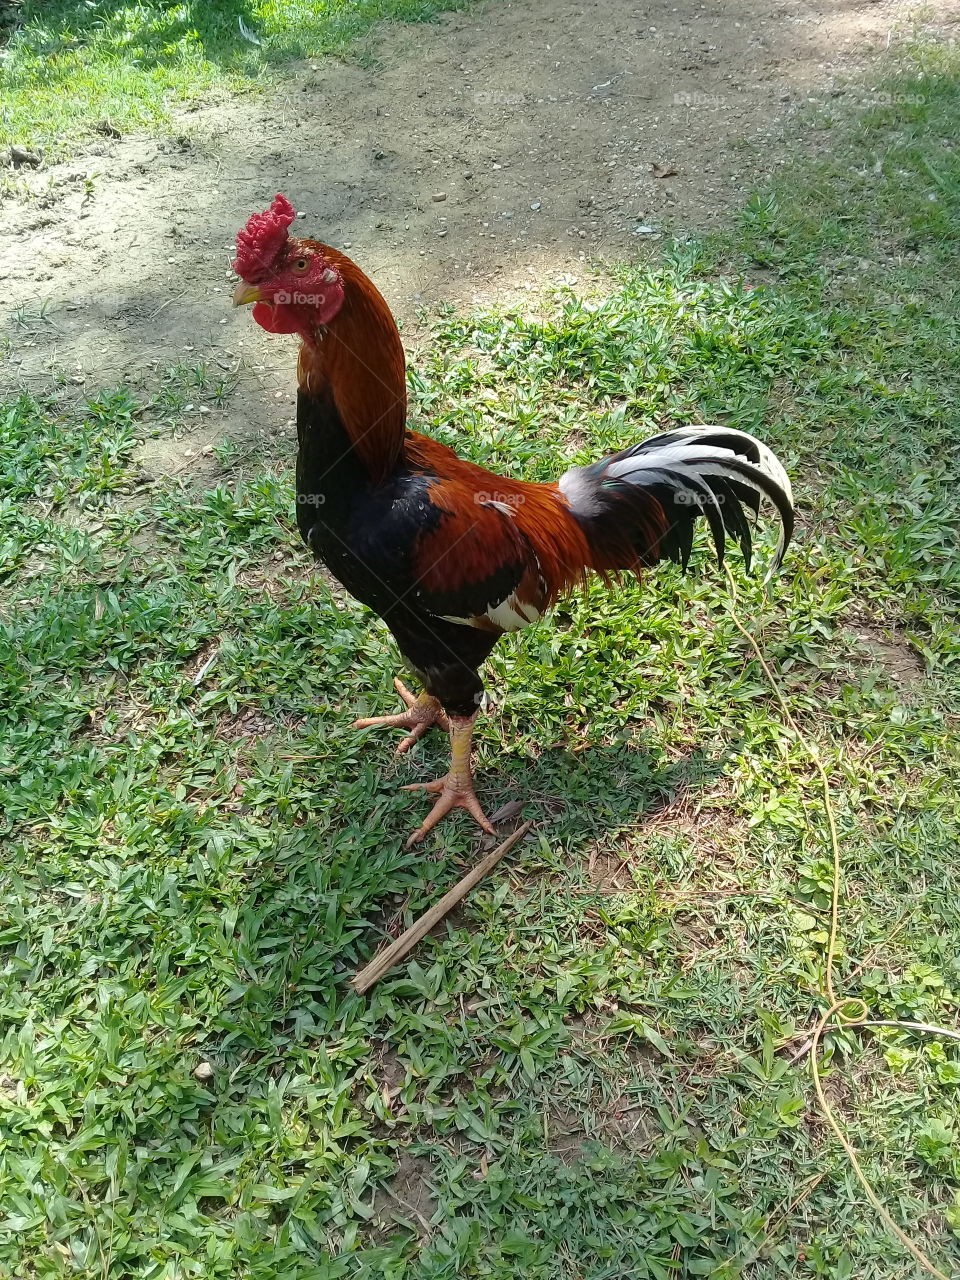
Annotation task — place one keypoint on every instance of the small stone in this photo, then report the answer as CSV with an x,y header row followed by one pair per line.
x,y
468,174
203,1072
535,206
21,156
439,195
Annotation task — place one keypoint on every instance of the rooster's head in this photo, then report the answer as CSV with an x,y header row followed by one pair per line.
x,y
295,286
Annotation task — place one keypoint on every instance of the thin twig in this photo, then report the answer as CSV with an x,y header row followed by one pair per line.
x,y
206,666
387,958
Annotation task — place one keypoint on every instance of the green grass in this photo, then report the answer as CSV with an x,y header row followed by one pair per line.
x,y
589,1071
71,65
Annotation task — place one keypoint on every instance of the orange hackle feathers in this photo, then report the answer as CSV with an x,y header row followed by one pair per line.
x,y
361,360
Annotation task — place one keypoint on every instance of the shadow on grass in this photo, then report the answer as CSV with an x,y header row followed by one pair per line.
x,y
152,36
155,34
580,802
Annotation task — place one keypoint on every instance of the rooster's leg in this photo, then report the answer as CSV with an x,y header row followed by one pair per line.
x,y
421,713
455,791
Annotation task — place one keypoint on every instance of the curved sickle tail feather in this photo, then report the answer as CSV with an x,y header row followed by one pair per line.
x,y
641,505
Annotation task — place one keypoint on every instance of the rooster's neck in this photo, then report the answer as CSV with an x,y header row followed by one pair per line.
x,y
359,361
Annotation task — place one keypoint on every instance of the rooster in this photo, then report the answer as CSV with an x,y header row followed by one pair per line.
x,y
450,555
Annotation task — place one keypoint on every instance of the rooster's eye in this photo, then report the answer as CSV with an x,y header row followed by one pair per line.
x,y
300,264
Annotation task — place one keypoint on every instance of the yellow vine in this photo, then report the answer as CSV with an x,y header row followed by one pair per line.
x,y
841,1012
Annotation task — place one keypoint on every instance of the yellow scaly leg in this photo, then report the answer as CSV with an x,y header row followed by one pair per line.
x,y
456,789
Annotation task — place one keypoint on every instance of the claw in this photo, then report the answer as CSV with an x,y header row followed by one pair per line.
x,y
455,791
421,714
409,698
450,797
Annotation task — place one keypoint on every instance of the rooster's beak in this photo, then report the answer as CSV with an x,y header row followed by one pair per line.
x,y
245,293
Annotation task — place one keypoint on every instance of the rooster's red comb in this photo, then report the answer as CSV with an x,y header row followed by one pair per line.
x,y
260,241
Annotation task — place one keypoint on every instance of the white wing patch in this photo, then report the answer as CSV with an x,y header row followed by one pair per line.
x,y
509,615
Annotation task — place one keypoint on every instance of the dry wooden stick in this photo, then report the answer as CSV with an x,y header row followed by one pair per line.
x,y
390,956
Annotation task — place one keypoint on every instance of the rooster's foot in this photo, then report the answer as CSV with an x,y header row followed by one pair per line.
x,y
455,791
451,796
421,714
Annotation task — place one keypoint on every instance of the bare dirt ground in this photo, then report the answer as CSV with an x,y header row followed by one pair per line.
x,y
492,151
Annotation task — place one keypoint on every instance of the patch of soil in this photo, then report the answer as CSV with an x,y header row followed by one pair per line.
x,y
893,654
248,724
609,874
489,152
566,1136
407,1195
616,1122
627,1126
388,1069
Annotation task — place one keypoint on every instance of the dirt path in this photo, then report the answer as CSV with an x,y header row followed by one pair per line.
x,y
537,123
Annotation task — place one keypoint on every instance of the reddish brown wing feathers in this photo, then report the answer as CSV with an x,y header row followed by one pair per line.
x,y
506,537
